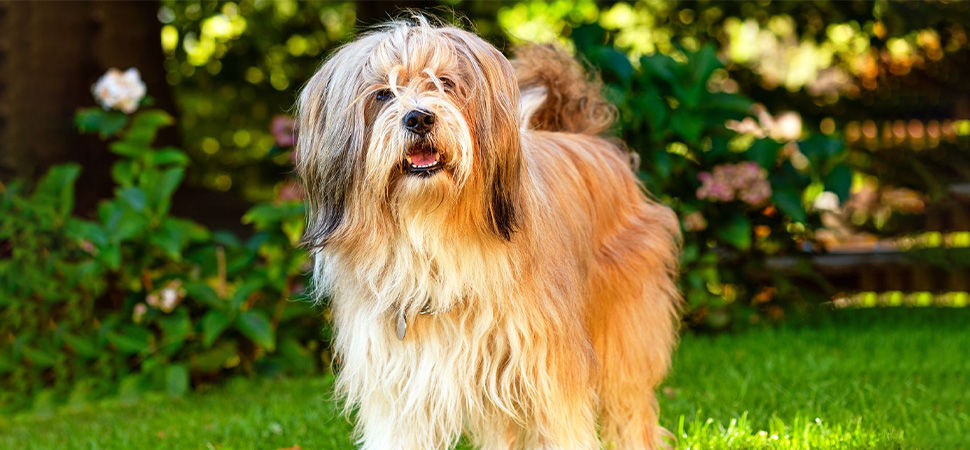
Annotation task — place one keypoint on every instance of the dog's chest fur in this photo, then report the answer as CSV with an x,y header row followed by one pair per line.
x,y
457,363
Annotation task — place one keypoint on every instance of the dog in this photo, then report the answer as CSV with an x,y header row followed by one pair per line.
x,y
493,266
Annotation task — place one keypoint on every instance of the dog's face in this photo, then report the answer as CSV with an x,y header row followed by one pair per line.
x,y
410,120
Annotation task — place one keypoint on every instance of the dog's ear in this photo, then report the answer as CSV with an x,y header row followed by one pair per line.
x,y
331,141
495,122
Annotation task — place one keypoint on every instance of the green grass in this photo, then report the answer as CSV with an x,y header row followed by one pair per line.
x,y
855,379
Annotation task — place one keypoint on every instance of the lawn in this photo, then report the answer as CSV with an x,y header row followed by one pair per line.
x,y
853,379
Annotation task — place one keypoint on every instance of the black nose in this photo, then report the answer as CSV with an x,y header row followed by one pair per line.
x,y
418,121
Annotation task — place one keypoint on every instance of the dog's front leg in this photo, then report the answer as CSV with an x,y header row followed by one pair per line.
x,y
392,424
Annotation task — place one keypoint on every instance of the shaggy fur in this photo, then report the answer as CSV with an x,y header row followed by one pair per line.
x,y
534,276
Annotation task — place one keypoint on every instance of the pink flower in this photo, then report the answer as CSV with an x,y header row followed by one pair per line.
x,y
290,192
745,181
283,129
139,312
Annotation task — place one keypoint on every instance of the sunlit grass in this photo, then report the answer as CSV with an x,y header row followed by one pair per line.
x,y
875,378
800,433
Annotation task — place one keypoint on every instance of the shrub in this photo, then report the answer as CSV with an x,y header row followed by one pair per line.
x,y
742,196
136,299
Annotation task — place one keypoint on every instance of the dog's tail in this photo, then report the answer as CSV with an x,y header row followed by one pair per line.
x,y
557,94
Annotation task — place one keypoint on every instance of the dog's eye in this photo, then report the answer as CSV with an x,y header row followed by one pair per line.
x,y
447,84
384,95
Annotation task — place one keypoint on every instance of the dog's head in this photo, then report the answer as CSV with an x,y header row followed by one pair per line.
x,y
410,119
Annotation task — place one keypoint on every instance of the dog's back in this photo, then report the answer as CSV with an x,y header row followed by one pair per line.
x,y
631,313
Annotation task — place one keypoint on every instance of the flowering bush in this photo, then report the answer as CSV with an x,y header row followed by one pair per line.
x,y
136,299
739,179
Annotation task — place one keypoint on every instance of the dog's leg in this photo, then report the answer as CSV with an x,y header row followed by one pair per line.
x,y
564,414
633,323
403,429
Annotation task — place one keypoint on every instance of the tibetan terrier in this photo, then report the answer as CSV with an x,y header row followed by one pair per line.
x,y
493,265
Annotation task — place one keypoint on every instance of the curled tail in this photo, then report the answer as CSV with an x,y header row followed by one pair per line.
x,y
557,94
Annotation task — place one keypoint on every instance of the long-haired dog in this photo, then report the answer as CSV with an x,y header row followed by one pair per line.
x,y
493,264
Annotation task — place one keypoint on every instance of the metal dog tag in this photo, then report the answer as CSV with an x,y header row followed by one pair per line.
x,y
402,325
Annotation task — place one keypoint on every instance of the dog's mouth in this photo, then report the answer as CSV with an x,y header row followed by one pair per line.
x,y
422,159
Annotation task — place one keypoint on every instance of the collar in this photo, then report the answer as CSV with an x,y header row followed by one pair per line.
x,y
401,324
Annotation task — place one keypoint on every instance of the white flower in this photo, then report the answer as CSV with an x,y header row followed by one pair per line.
x,y
826,201
786,127
168,297
121,91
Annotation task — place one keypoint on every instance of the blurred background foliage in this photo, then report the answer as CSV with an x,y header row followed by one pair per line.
x,y
816,153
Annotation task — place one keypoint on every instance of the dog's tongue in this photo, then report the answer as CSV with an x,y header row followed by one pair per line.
x,y
422,157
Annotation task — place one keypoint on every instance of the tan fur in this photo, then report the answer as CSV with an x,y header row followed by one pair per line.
x,y
548,271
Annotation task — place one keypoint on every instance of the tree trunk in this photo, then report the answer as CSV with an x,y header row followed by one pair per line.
x,y
50,55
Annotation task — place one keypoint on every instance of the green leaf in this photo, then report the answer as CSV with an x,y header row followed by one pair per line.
x,y
119,222
134,197
819,149
662,164
244,291
729,106
176,380
145,125
655,109
263,215
131,339
85,348
165,187
614,60
293,229
703,63
111,255
588,36
687,125
168,155
660,66
764,152
172,237
700,65
255,326
296,358
839,181
736,231
213,324
175,329
132,386
211,360
201,292
105,123
129,149
123,172
56,189
39,358
789,202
